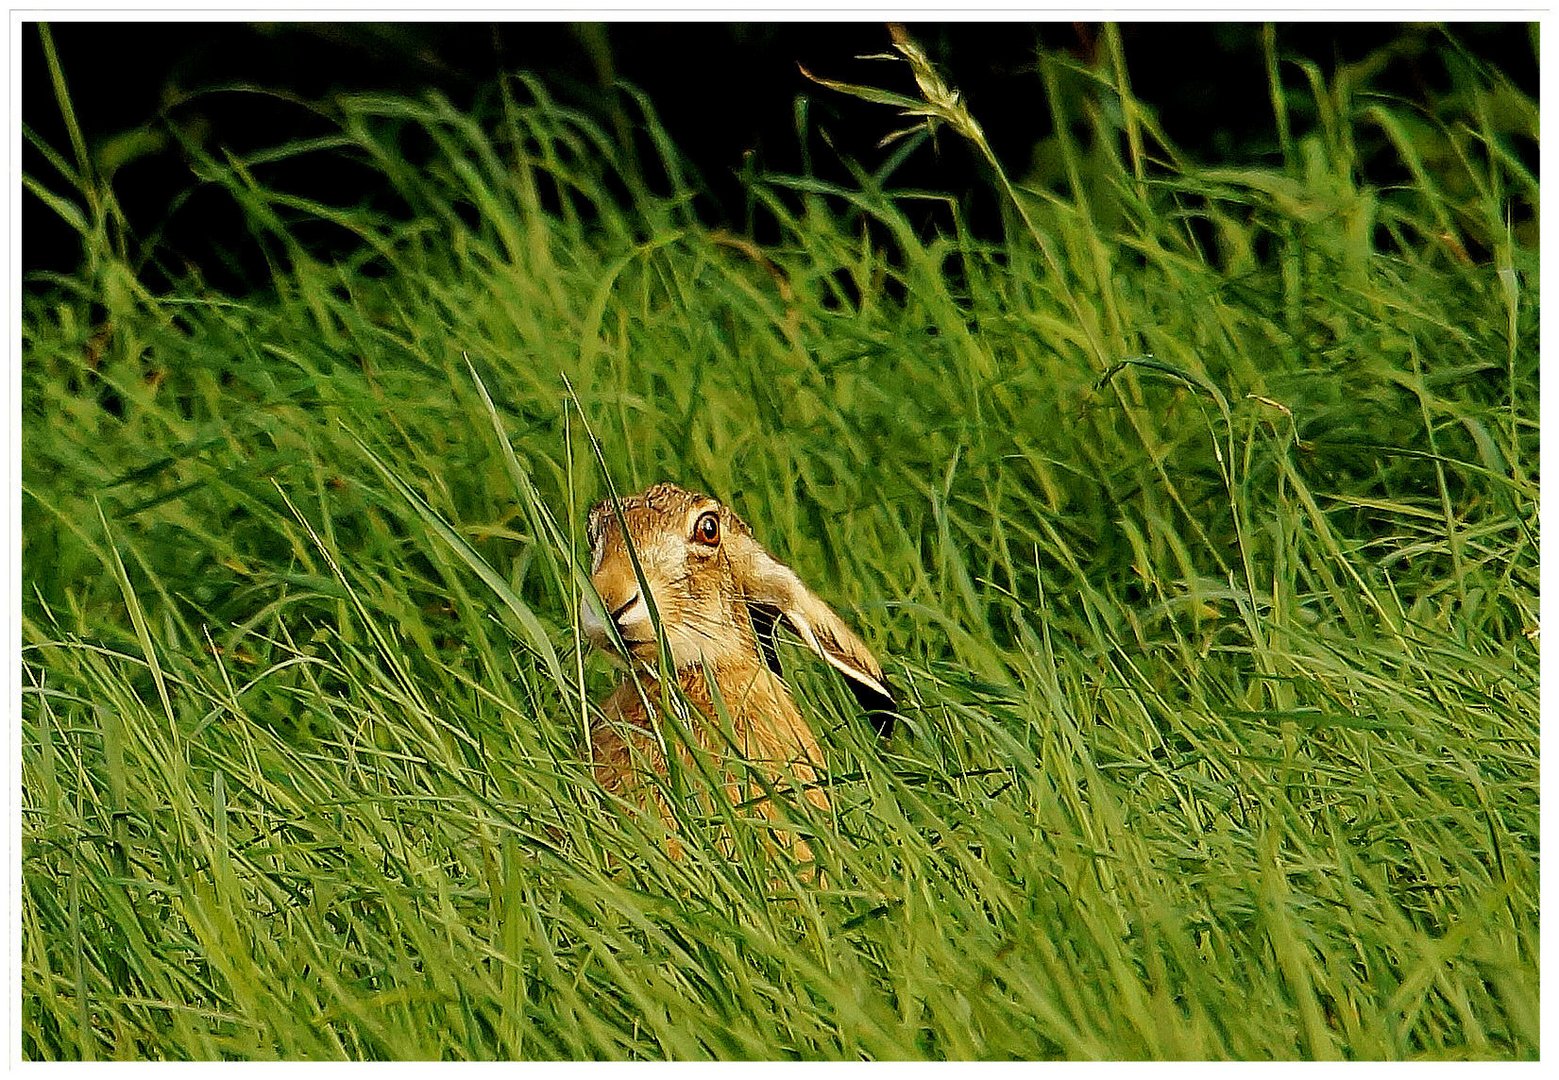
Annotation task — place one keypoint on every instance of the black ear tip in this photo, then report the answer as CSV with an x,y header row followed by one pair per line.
x,y
878,707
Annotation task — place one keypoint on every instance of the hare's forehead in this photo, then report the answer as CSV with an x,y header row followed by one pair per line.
x,y
664,507
658,520
654,534
649,531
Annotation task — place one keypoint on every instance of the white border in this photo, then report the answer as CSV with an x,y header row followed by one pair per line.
x,y
636,10
819,10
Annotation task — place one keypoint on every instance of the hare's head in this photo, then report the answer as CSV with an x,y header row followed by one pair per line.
x,y
717,592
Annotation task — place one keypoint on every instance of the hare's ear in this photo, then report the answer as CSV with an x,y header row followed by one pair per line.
x,y
774,592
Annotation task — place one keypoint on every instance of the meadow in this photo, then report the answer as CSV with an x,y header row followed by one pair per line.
x,y
1194,518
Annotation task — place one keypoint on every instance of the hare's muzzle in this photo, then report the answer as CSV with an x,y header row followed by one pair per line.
x,y
631,619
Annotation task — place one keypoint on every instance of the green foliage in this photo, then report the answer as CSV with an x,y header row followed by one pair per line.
x,y
1195,519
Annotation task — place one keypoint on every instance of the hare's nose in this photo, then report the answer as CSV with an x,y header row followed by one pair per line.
x,y
632,619
622,608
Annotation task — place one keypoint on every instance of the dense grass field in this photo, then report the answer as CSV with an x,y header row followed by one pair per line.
x,y
1194,518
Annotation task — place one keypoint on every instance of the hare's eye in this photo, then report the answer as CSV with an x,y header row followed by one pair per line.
x,y
707,529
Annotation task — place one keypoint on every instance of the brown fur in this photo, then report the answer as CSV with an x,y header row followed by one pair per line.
x,y
767,730
703,591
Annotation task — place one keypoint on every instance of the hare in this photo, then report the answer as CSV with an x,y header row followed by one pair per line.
x,y
717,594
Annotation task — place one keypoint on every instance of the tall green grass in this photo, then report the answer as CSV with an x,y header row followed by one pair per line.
x,y
1195,519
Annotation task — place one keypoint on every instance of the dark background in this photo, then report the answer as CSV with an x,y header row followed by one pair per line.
x,y
723,91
